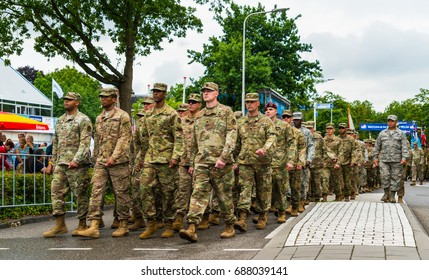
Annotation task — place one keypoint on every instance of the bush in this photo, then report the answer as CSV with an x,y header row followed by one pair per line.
x,y
35,192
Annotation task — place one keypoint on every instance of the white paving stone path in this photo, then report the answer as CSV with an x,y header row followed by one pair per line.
x,y
353,223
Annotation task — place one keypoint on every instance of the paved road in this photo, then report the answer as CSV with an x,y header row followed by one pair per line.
x,y
26,242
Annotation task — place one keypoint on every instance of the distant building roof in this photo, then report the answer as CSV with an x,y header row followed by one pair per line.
x,y
15,87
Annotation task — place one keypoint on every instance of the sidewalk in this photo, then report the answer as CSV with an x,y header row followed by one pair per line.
x,y
363,229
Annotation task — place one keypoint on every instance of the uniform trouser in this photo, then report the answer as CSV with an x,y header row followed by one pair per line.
x,y
305,181
416,172
206,178
362,176
391,173
332,179
184,191
355,179
295,179
280,187
158,176
64,180
315,189
136,195
118,176
259,178
347,173
369,177
401,190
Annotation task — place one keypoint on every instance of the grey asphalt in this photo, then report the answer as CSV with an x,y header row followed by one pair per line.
x,y
363,229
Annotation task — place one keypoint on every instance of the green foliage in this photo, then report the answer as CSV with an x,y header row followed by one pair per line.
x,y
78,29
71,79
273,55
29,189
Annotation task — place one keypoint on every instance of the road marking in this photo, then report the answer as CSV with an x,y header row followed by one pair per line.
x,y
69,249
235,250
155,249
4,248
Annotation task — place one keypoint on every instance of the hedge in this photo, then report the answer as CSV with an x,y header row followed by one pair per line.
x,y
31,195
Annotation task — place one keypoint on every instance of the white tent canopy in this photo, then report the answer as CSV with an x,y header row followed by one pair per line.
x,y
14,87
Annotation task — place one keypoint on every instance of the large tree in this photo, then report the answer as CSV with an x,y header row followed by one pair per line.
x,y
78,29
30,73
273,55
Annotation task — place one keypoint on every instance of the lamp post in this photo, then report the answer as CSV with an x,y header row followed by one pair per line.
x,y
315,105
243,73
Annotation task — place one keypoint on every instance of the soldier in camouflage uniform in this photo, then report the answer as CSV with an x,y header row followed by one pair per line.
x,y
255,144
348,159
162,147
137,210
213,143
357,166
309,141
295,172
332,177
417,160
369,187
391,153
184,190
70,157
283,160
182,110
111,157
321,153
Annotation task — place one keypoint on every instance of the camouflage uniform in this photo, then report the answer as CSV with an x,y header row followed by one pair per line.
x,y
348,158
255,171
184,190
332,178
356,167
162,140
71,144
214,137
321,152
112,140
369,167
417,160
283,153
390,148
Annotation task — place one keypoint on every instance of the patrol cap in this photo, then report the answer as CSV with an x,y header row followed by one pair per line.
x,y
372,141
109,91
392,117
271,105
159,87
148,100
183,107
287,113
252,96
318,132
72,96
210,86
343,125
238,114
330,125
141,113
309,124
350,131
195,97
297,116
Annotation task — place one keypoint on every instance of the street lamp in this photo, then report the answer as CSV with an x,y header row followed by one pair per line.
x,y
244,53
315,104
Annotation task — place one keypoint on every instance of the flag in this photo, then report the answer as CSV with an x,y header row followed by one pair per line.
x,y
423,136
351,125
57,89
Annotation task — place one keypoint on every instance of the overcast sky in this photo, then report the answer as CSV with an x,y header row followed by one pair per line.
x,y
375,50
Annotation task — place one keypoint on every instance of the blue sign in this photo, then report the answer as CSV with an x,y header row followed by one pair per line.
x,y
324,105
36,118
405,126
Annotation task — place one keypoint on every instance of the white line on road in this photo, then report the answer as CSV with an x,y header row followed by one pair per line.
x,y
4,248
235,250
69,249
155,249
